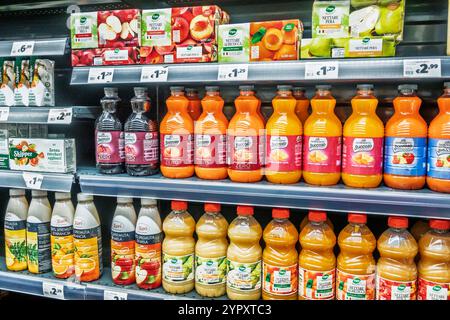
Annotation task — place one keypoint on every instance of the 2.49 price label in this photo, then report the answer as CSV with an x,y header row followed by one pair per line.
x,y
426,68
322,70
61,116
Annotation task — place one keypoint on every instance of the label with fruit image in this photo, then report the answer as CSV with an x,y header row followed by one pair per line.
x,y
122,251
322,154
156,27
439,158
38,247
210,150
141,148
245,152
63,248
362,156
355,287
15,242
88,252
395,290
210,271
316,285
25,154
283,153
280,280
405,156
148,258
429,290
178,268
83,27
244,276
177,150
110,146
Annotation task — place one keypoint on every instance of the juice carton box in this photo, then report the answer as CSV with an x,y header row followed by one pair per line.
x,y
330,19
83,30
7,82
119,28
4,152
23,80
42,87
105,56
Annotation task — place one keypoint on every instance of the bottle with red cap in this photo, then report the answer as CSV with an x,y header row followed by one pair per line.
x,y
178,250
317,262
396,270
211,252
244,256
280,258
355,276
434,264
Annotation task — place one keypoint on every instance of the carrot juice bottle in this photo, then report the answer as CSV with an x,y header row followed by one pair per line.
x,y
362,152
438,172
177,138
406,142
322,140
302,106
211,138
194,107
249,90
283,140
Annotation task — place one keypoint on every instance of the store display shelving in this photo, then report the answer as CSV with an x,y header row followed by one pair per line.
x,y
42,47
39,115
57,182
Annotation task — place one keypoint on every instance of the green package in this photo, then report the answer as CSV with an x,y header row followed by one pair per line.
x,y
330,19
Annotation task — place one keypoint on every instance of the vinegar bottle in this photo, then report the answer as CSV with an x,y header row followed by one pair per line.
x,y
302,106
194,107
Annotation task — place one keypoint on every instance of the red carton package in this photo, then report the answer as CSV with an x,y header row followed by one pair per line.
x,y
119,28
105,57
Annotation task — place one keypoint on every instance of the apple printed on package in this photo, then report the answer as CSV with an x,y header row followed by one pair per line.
x,y
119,28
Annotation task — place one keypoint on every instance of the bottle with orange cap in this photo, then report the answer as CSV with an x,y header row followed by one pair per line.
x,y
317,262
244,256
396,270
280,258
355,276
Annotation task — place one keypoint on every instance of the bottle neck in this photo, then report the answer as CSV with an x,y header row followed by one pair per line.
x,y
247,93
364,103
407,104
444,102
323,102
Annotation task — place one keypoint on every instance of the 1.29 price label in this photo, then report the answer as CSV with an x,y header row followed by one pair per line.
x,y
154,74
426,68
100,75
232,72
321,70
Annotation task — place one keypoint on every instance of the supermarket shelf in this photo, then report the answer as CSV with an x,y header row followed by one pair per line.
x,y
42,47
57,182
39,115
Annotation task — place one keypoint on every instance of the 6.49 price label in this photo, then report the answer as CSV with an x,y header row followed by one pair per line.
x,y
322,70
22,48
426,68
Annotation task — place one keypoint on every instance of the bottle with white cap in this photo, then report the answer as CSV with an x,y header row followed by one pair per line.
x,y
38,233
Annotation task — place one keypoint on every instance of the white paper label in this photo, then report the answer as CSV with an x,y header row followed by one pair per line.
x,y
231,72
114,295
60,116
33,180
154,74
427,68
322,70
100,75
4,114
22,48
53,290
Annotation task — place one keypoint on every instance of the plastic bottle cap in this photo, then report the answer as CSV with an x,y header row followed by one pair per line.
x,y
440,224
124,200
212,207
245,210
178,88
63,195
38,193
357,218
111,91
323,87
85,197
364,86
148,202
280,213
189,90
247,87
407,87
179,205
398,222
299,89
317,216
212,88
140,91
16,192
284,87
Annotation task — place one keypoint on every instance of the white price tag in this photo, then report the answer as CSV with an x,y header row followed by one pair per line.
x,y
22,48
232,72
154,74
426,68
4,113
100,75
114,295
33,180
53,290
62,116
322,70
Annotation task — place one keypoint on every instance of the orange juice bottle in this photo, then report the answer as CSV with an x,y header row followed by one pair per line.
x,y
362,152
438,169
323,140
177,137
316,262
419,229
280,258
211,138
249,90
355,279
245,142
396,270
283,140
194,107
305,221
434,265
302,106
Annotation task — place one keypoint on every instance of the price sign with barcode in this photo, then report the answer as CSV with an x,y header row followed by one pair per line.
x,y
4,113
61,116
100,75
33,180
53,290
232,72
22,48
154,74
426,68
322,70
114,295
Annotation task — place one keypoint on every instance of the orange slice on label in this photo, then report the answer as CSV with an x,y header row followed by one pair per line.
x,y
60,269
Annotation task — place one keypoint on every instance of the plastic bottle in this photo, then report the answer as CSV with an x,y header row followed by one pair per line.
x,y
283,140
109,136
355,275
177,137
123,241
434,264
419,229
39,255
244,256
362,152
15,225
61,225
211,138
305,221
322,144
194,108
211,252
178,250
87,235
302,106
280,258
149,237
316,262
141,137
396,270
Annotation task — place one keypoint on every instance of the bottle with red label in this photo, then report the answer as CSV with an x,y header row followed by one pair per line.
x,y
434,264
194,108
109,136
396,269
141,138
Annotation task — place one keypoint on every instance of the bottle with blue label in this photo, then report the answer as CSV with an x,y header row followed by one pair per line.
x,y
406,142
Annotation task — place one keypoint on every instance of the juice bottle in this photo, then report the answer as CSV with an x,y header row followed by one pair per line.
x,y
123,242
244,256
438,168
302,106
141,137
434,264
280,258
149,237
211,252
87,235
406,142
419,229
245,144
283,140
39,254
316,262
362,152
248,90
211,138
61,225
396,270
194,107
15,225
178,250
355,277
109,136
322,140
177,137
305,221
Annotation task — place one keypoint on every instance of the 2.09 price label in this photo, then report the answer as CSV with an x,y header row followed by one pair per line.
x,y
60,116
322,70
53,290
426,68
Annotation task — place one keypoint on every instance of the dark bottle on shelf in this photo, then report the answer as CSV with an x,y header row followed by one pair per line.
x,y
141,138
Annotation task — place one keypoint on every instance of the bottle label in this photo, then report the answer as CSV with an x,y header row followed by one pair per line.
x,y
316,285
245,152
362,156
283,153
244,276
210,271
322,154
280,280
178,268
439,158
63,263
405,156
355,287
38,247
110,146
211,150
122,257
395,290
15,242
429,290
88,252
148,257
141,148
177,150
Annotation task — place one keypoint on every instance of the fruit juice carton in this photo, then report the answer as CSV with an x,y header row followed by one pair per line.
x,y
42,86
234,42
330,19
23,79
370,47
105,56
83,30
119,28
323,48
4,152
7,82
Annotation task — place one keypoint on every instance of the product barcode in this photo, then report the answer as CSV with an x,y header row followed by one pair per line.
x,y
408,72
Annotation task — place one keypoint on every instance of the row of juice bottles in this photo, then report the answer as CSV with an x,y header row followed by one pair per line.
x,y
195,136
